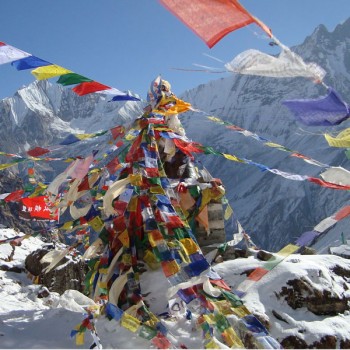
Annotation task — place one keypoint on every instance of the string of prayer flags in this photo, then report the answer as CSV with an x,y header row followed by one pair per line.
x,y
212,20
307,238
267,142
326,111
258,273
42,70
289,176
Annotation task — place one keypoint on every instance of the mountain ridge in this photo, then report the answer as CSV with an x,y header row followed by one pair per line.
x,y
43,114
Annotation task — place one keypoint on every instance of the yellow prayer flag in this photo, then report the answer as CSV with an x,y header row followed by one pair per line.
x,y
190,245
275,145
129,322
209,318
67,225
212,345
215,119
223,306
124,238
46,72
96,223
228,212
126,259
240,311
7,165
135,179
341,140
151,260
231,157
232,339
288,249
132,206
79,339
102,285
157,190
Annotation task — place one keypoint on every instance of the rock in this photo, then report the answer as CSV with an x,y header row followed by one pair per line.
x,y
308,251
302,294
263,255
43,293
293,342
68,274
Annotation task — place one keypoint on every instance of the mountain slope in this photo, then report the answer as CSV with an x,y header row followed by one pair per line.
x,y
273,210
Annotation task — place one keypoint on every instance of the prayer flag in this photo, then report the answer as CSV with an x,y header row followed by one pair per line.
x,y
29,62
9,54
37,151
47,72
211,20
89,87
71,79
326,111
341,140
14,196
287,64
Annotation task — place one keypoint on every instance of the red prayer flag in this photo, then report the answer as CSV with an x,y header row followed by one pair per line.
x,y
14,196
113,165
89,87
257,274
161,342
2,44
37,208
221,283
211,20
342,213
118,131
119,143
328,184
188,147
38,151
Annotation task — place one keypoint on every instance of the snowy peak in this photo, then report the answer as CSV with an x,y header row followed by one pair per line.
x,y
43,113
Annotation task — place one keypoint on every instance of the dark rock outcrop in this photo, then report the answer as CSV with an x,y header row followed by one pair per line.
x,y
302,294
68,274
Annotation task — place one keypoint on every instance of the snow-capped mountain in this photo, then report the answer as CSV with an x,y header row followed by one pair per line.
x,y
272,209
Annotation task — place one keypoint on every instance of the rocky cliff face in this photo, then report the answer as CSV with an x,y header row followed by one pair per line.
x,y
9,182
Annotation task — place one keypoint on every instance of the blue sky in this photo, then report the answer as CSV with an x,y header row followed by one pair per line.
x,y
127,43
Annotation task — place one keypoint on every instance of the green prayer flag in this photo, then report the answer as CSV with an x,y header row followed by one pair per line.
x,y
71,79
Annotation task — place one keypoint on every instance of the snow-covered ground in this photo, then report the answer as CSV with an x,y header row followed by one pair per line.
x,y
27,321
